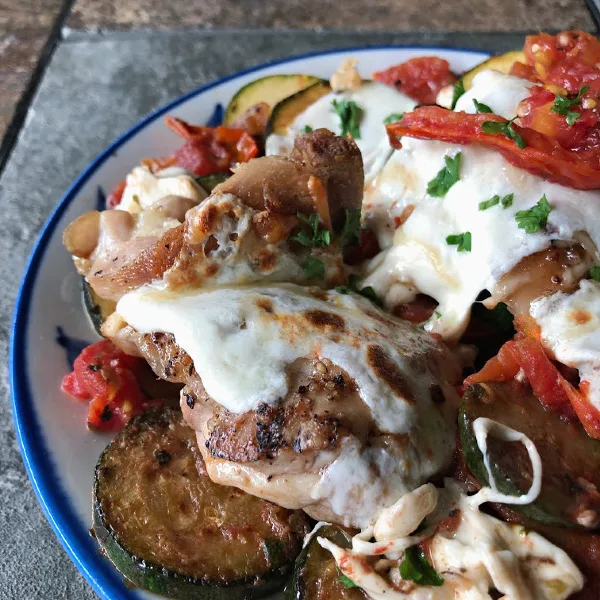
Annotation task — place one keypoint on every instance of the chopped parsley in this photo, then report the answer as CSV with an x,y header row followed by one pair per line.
x,y
415,567
307,129
314,268
505,128
350,235
318,238
462,240
350,115
367,292
506,201
458,89
446,177
535,218
595,273
393,118
562,105
438,314
347,582
481,107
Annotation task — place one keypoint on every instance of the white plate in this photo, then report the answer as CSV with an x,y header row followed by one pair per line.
x,y
58,451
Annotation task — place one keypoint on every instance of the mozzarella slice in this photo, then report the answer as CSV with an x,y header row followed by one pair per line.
x,y
570,326
377,102
144,188
421,260
502,93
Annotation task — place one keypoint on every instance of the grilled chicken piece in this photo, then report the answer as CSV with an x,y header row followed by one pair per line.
x,y
238,235
366,413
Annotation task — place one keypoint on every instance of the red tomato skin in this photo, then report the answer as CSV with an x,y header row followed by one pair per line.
x,y
419,78
114,198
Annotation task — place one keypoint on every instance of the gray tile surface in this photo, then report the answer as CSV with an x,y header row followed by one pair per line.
x,y
95,89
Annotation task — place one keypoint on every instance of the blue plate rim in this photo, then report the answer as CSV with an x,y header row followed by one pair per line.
x,y
81,548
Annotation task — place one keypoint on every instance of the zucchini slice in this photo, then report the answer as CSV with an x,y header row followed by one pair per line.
x,y
500,62
271,90
316,576
210,182
286,111
170,530
570,458
97,308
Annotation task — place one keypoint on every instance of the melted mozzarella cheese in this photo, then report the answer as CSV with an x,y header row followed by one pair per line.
x,y
421,259
502,93
481,554
144,188
241,352
570,325
377,102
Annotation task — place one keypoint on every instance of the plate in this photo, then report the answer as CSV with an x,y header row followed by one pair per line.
x,y
50,326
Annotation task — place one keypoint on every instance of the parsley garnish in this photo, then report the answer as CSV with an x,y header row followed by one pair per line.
x,y
350,235
562,105
502,317
533,219
307,129
367,292
462,240
314,268
505,128
446,177
481,107
415,567
506,201
595,273
489,203
438,314
350,115
458,89
347,582
319,238
393,118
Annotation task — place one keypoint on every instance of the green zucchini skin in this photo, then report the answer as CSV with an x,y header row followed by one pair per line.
x,y
96,308
316,571
569,456
143,571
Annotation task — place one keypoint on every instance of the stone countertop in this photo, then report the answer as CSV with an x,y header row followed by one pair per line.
x,y
108,82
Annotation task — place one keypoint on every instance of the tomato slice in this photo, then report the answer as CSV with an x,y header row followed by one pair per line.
x,y
542,155
419,78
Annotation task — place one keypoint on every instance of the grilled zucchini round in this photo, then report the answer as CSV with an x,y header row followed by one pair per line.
x,y
170,530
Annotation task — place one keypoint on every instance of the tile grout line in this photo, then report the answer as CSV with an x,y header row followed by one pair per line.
x,y
20,113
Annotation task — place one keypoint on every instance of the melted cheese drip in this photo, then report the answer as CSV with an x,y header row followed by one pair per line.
x,y
241,352
377,101
570,325
144,188
420,260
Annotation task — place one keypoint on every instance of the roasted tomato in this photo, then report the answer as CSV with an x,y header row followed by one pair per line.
x,y
419,78
105,377
207,150
114,198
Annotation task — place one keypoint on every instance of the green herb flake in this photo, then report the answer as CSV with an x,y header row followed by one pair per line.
x,y
595,273
462,240
350,115
350,235
504,128
458,89
438,187
489,203
314,268
317,238
501,317
481,107
307,129
367,292
393,118
535,218
438,314
346,582
562,105
415,567
507,200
